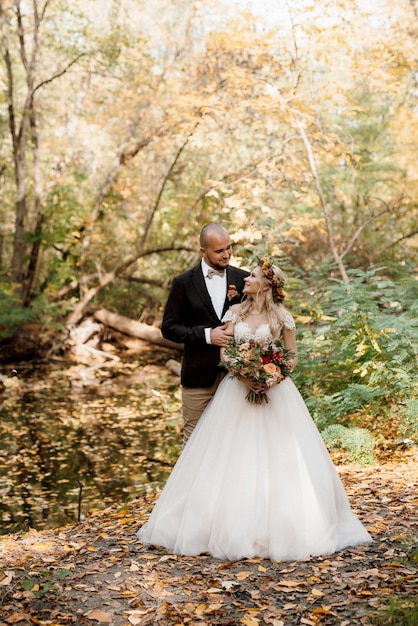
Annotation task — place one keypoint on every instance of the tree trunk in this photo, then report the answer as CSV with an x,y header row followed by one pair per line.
x,y
33,260
25,41
133,328
38,190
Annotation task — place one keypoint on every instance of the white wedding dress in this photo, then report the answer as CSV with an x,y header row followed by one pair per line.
x,y
254,480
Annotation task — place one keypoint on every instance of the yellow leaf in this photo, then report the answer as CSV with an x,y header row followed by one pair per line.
x,y
121,512
18,617
100,616
324,610
147,557
39,547
317,593
77,545
252,612
289,583
262,569
137,616
167,557
315,579
127,594
6,580
249,621
242,575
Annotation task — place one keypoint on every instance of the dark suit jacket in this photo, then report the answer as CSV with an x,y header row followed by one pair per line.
x,y
188,312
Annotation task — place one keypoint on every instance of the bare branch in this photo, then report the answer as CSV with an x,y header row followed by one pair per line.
x,y
359,230
58,74
164,183
126,151
325,209
407,236
107,278
43,11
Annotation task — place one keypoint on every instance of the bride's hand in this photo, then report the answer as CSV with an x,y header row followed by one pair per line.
x,y
256,387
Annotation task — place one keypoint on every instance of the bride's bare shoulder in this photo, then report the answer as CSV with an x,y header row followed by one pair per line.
x,y
235,308
231,315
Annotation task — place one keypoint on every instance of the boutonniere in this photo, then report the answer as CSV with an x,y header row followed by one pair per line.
x,y
232,292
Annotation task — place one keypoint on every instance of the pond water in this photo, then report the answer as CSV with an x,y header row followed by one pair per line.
x,y
66,449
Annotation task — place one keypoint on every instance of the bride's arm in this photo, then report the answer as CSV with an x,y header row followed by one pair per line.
x,y
229,320
230,317
289,340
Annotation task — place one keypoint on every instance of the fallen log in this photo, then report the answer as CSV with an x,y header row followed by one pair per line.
x,y
130,327
174,366
82,333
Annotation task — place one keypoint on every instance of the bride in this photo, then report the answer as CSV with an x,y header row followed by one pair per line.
x,y
255,480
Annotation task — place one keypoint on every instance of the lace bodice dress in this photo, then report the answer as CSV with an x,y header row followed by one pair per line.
x,y
242,331
254,480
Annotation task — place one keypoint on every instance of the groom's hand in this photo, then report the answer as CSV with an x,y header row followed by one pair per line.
x,y
221,336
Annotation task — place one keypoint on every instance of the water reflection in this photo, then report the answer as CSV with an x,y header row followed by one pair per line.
x,y
111,446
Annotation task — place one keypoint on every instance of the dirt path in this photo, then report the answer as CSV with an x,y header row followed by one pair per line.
x,y
96,572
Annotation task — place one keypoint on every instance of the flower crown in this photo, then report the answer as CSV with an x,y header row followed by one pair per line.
x,y
276,283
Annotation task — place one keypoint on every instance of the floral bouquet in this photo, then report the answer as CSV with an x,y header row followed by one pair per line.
x,y
262,363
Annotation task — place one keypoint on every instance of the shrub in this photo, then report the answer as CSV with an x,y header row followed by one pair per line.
x,y
361,351
358,443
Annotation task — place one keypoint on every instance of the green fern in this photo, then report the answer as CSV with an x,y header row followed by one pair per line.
x,y
354,397
365,355
358,443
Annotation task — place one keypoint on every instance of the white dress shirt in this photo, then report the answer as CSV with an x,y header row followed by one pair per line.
x,y
216,287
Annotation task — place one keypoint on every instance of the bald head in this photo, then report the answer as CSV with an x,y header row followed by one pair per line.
x,y
209,230
215,246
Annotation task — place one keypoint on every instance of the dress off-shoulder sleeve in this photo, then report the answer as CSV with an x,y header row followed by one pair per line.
x,y
229,317
289,322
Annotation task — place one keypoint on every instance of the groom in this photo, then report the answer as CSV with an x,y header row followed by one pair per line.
x,y
197,301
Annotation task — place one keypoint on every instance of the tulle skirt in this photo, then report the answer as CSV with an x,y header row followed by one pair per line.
x,y
254,480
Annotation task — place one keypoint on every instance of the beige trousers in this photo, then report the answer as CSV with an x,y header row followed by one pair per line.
x,y
194,401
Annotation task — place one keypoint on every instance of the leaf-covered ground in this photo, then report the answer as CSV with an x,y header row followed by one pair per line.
x,y
96,571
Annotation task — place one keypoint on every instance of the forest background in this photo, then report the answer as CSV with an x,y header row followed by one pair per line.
x,y
127,125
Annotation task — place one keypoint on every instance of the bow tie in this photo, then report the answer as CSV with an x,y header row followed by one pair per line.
x,y
212,273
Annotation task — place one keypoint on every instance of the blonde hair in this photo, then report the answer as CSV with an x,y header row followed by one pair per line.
x,y
275,311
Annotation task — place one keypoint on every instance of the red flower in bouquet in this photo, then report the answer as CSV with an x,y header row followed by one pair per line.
x,y
262,363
